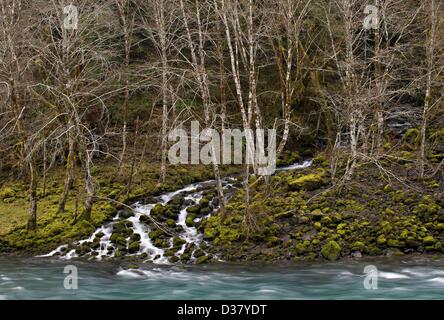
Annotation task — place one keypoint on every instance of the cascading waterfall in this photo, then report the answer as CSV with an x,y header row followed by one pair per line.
x,y
138,232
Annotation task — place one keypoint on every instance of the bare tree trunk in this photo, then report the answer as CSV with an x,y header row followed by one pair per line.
x,y
32,219
127,28
89,185
199,68
70,170
433,13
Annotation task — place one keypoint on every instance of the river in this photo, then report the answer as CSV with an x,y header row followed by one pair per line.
x,y
416,277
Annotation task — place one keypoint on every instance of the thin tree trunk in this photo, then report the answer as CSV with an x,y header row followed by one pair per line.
x,y
69,172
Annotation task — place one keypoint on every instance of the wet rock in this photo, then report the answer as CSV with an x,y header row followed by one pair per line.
x,y
117,239
173,259
198,253
178,242
126,213
202,259
161,243
170,223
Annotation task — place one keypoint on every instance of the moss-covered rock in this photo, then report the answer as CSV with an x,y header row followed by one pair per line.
x,y
429,241
358,246
7,192
310,181
117,239
178,242
331,250
202,259
134,247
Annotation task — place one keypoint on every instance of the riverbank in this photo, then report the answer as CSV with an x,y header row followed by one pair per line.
x,y
298,216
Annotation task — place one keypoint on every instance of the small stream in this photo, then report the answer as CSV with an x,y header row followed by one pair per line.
x,y
101,246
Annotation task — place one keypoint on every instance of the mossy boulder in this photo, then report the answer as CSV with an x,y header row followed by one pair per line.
x,y
169,252
189,221
155,234
194,210
134,247
7,193
170,223
331,250
177,242
202,259
358,246
161,243
158,210
381,240
395,243
429,241
173,259
126,213
118,239
310,181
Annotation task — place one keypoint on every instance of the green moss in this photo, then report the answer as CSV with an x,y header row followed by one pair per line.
x,y
229,234
210,233
7,193
301,248
412,136
134,247
381,240
326,220
189,221
161,243
273,241
358,245
170,252
177,242
395,243
310,181
202,259
118,239
429,240
331,251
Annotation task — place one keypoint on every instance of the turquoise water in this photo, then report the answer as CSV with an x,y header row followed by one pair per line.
x,y
398,278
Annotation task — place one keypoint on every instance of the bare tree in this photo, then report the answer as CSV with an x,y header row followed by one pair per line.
x,y
15,76
75,64
126,14
433,71
197,45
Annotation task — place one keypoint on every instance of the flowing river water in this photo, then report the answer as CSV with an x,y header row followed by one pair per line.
x,y
398,278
